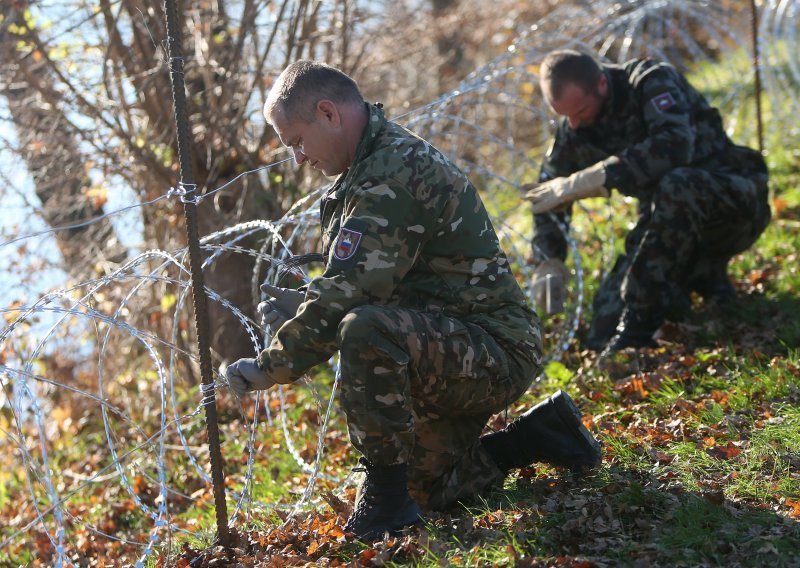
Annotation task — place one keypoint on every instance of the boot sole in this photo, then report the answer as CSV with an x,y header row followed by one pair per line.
x,y
570,415
412,517
395,530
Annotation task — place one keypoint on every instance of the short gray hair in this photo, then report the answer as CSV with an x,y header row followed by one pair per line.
x,y
303,84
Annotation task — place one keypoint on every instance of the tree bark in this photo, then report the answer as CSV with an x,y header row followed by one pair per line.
x,y
50,148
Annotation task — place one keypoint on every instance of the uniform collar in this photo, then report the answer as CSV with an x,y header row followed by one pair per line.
x,y
608,104
375,123
617,93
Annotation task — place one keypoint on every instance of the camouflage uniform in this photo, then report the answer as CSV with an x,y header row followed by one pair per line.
x,y
702,199
433,331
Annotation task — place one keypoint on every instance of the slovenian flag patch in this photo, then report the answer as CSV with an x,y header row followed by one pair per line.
x,y
663,102
346,243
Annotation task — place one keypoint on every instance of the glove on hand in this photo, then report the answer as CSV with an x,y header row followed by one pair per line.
x,y
589,182
245,376
281,307
550,286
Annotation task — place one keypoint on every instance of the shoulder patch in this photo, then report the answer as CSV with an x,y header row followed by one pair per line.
x,y
663,102
346,243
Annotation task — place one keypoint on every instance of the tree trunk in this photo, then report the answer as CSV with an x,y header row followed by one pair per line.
x,y
50,147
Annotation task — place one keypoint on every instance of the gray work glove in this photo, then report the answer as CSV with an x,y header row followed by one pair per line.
x,y
550,286
554,193
281,306
244,376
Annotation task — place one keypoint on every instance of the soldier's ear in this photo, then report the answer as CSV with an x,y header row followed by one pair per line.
x,y
602,86
328,112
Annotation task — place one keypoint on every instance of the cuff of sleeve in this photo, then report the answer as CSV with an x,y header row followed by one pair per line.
x,y
262,361
616,173
279,372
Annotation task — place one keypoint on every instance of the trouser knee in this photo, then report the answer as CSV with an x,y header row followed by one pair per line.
x,y
357,325
679,199
364,327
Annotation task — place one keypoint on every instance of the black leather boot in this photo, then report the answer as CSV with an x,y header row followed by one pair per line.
x,y
713,283
636,330
600,332
383,503
551,432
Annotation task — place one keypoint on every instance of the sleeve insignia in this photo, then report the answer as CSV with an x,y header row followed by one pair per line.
x,y
663,102
346,243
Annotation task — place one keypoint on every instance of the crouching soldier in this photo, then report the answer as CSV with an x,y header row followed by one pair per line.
x,y
433,331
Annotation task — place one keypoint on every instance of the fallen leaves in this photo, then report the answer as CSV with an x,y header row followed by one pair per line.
x,y
636,388
672,432
726,452
339,506
793,507
778,206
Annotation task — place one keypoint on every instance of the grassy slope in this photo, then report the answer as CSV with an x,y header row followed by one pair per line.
x,y
701,436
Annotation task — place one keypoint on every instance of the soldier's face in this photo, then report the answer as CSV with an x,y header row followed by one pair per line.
x,y
319,142
579,106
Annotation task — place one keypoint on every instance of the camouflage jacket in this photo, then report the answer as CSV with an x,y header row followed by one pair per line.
x,y
404,227
653,121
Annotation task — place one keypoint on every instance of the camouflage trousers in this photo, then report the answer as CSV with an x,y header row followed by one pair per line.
x,y
695,222
418,388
